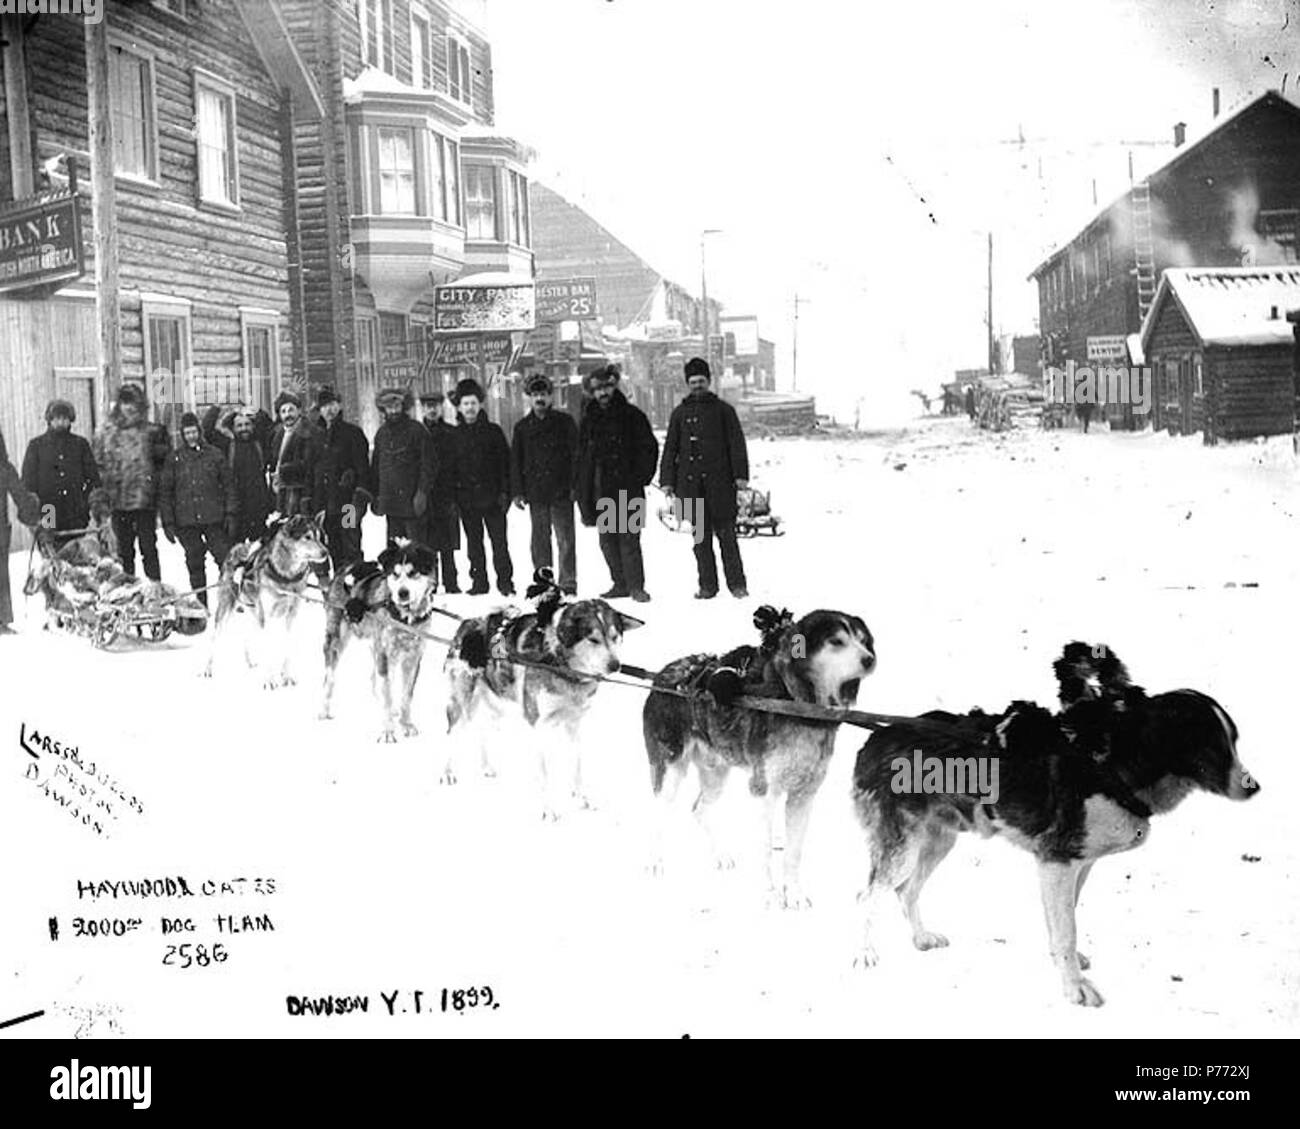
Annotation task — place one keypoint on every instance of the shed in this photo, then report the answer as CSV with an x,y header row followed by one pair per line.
x,y
1218,348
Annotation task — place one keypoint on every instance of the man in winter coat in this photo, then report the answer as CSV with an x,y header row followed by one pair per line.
x,y
543,455
196,501
616,459
441,522
293,459
59,468
402,466
246,464
705,462
347,463
482,460
130,452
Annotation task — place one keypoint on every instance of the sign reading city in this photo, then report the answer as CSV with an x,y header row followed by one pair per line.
x,y
566,299
461,309
41,242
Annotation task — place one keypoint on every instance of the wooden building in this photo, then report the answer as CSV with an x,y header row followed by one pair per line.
x,y
1227,199
1220,351
200,232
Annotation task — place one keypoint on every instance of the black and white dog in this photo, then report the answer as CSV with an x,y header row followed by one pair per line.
x,y
1072,788
387,602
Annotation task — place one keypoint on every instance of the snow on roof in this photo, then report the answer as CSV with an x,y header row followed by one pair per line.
x,y
493,278
374,81
1230,305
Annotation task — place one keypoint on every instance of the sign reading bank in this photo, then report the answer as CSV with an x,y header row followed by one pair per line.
x,y
41,243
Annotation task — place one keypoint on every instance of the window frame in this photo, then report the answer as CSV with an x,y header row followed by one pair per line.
x,y
209,83
418,207
465,76
488,172
162,306
419,79
385,55
117,48
254,319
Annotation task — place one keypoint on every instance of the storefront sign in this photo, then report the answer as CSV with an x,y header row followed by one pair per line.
x,y
500,308
41,243
567,299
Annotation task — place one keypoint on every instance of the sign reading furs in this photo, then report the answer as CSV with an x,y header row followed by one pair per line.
x,y
40,242
468,308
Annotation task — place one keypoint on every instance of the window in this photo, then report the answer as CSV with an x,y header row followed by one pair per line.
x,y
135,141
261,357
396,173
516,209
1198,375
166,330
214,103
376,20
357,170
421,51
1106,265
459,79
453,184
480,202
1096,264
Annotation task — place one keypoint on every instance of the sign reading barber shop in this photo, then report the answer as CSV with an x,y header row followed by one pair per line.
x,y
40,242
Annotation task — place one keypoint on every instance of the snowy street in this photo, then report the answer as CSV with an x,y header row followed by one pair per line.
x,y
972,557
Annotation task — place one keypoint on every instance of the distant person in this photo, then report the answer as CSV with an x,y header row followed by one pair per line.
x,y
705,462
1085,412
59,468
196,502
347,470
482,461
29,513
970,400
617,452
293,458
130,453
441,521
543,450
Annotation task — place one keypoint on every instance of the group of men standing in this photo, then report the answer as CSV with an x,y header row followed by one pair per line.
x,y
431,480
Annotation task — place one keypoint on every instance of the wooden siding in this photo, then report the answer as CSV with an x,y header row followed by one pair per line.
x,y
1250,392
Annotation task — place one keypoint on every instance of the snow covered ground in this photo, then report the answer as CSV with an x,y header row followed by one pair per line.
x,y
972,557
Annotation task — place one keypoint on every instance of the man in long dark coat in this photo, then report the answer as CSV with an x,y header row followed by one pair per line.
x,y
346,470
247,466
196,502
441,521
403,465
59,468
617,451
543,450
705,462
482,460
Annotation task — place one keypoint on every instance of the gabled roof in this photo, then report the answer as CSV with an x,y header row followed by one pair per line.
x,y
1229,305
1181,154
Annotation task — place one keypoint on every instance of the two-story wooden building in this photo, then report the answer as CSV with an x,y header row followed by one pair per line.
x,y
1228,199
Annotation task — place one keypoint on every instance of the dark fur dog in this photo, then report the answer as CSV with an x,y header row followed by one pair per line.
x,y
268,578
821,658
560,639
387,602
1071,788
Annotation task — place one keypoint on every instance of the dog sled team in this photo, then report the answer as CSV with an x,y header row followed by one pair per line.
x,y
1077,783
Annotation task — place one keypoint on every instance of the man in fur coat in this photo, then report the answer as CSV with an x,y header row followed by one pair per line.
x,y
130,452
293,458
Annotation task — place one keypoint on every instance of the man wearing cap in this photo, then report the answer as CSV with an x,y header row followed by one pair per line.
x,y
403,465
196,502
59,468
705,462
441,522
482,459
543,451
130,453
246,464
293,458
346,478
617,450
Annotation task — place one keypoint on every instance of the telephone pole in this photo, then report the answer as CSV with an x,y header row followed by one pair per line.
x,y
795,340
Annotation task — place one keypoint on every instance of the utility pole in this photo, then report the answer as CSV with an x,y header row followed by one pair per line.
x,y
704,289
993,367
104,213
795,341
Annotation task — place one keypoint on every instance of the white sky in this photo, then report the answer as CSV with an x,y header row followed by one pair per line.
x,y
810,132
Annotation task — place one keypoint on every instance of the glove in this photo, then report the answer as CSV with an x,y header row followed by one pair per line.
x,y
742,483
519,502
420,503
232,526
170,533
348,481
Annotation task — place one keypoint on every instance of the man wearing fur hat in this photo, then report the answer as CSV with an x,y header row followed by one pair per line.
x,y
347,478
402,466
246,464
482,458
196,502
706,462
130,452
616,460
543,452
293,458
59,468
441,522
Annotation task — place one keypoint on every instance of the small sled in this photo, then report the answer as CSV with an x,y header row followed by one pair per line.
x,y
754,514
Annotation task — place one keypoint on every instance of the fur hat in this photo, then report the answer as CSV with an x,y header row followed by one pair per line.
x,y
189,419
468,388
287,397
538,382
395,400
60,408
131,394
432,399
600,375
698,366
326,396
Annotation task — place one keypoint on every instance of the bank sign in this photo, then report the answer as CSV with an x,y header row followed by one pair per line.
x,y
463,309
41,243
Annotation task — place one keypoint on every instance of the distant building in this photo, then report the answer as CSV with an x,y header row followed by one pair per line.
x,y
750,358
1229,199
